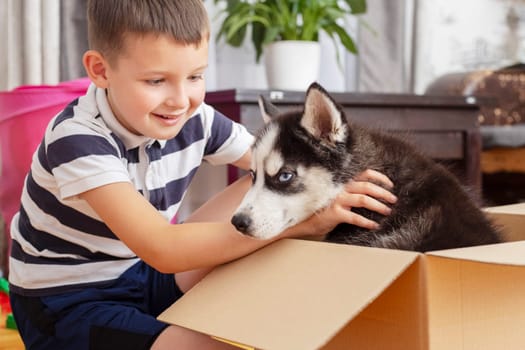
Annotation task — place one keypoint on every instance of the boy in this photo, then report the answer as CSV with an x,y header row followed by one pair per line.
x,y
93,250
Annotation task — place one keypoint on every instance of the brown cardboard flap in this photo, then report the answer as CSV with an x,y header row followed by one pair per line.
x,y
474,305
511,218
293,294
509,253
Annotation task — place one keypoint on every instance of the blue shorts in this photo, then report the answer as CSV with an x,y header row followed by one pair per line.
x,y
119,315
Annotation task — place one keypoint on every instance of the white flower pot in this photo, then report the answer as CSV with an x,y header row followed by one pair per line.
x,y
292,65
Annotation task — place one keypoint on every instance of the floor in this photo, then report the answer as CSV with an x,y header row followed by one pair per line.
x,y
9,338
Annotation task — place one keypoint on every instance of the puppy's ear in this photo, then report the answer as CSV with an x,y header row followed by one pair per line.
x,y
268,110
323,117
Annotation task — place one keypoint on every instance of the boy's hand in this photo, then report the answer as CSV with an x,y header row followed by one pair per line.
x,y
369,190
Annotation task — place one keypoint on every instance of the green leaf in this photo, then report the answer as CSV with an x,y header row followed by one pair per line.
x,y
236,38
357,6
346,40
258,35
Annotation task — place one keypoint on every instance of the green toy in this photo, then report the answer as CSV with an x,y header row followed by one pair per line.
x,y
4,286
4,289
10,322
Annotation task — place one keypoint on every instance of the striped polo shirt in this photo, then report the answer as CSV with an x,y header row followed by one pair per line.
x,y
59,242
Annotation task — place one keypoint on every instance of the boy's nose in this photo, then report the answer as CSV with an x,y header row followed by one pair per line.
x,y
176,102
177,99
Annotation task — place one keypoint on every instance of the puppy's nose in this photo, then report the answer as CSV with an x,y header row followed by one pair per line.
x,y
241,222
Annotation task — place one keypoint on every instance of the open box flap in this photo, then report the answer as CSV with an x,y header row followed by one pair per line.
x,y
293,294
509,253
518,209
511,219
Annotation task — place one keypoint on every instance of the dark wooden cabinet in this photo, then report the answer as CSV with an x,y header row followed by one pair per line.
x,y
445,128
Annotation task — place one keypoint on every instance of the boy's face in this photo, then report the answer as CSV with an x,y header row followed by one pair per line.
x,y
156,84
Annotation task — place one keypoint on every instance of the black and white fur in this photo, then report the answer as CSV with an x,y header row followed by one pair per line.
x,y
302,159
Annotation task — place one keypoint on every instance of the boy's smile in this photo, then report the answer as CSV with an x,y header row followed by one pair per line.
x,y
156,84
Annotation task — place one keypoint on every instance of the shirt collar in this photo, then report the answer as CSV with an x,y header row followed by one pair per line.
x,y
129,139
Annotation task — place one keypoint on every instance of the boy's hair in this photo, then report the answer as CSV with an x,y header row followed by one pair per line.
x,y
186,21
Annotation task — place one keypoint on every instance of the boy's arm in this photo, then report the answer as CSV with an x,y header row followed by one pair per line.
x,y
168,248
244,162
182,247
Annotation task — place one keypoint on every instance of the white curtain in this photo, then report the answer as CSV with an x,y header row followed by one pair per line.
x,y
29,42
385,58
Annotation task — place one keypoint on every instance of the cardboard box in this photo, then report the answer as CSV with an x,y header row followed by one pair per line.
x,y
298,294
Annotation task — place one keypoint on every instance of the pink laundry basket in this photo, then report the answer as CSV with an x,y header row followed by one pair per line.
x,y
24,115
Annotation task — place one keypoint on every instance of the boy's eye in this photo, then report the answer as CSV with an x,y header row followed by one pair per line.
x,y
197,77
154,81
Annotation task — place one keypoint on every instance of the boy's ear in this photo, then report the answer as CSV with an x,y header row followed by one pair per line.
x,y
96,66
268,109
322,116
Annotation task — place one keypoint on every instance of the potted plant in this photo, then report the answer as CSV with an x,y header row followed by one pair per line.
x,y
277,23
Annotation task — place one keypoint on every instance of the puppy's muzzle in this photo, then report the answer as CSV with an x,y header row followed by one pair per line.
x,y
242,223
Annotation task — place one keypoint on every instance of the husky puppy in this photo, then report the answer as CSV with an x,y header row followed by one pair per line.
x,y
302,159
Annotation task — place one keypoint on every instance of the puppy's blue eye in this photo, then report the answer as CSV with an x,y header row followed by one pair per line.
x,y
285,176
